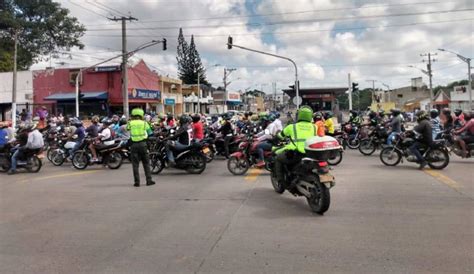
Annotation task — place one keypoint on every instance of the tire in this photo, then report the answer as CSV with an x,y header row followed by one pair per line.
x,y
276,185
353,143
320,198
336,160
35,165
390,157
80,160
156,163
436,156
209,156
367,147
114,160
238,166
49,152
57,157
196,163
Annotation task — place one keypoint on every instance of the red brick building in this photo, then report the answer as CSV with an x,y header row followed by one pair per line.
x,y
100,87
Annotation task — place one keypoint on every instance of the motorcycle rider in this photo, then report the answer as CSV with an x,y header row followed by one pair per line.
x,y
395,125
198,128
435,123
264,138
170,121
139,131
278,123
426,136
3,136
104,137
34,143
93,129
298,133
459,119
354,118
329,123
227,131
122,131
78,135
318,121
181,139
466,133
447,119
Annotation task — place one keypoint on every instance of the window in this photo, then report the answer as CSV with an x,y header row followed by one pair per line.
x,y
72,77
400,95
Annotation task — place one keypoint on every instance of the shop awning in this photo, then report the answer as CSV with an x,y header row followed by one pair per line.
x,y
71,96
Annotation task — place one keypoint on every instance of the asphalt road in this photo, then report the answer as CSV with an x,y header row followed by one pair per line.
x,y
381,219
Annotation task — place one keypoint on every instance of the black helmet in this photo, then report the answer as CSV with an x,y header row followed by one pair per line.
x,y
328,114
122,121
434,113
196,118
106,122
372,114
353,113
318,116
446,111
184,119
395,112
421,115
457,112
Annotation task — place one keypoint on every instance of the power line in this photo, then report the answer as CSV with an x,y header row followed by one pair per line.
x,y
297,21
299,32
108,8
92,11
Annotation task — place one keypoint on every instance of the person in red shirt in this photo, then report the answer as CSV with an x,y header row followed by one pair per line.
x,y
198,128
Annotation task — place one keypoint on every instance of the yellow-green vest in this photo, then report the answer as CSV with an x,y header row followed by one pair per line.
x,y
138,130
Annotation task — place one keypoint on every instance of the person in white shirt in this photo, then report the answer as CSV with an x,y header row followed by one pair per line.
x,y
104,138
278,123
265,140
35,142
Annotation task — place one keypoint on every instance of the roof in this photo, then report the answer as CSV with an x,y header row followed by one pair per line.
x,y
71,96
316,90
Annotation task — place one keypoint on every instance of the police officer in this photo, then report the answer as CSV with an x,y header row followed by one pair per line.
x,y
139,130
298,133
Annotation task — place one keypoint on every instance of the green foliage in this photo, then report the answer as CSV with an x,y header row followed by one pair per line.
x,y
189,61
450,86
360,100
42,26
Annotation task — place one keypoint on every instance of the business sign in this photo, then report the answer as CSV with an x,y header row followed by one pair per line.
x,y
146,94
233,96
169,101
460,93
107,68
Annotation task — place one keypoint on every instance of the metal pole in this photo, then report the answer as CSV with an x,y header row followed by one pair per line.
x,y
431,80
469,78
15,52
350,90
225,90
124,69
199,93
77,92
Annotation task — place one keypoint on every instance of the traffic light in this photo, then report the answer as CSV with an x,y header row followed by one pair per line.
x,y
164,43
229,42
355,87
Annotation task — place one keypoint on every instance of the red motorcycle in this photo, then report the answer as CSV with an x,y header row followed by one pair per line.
x,y
247,155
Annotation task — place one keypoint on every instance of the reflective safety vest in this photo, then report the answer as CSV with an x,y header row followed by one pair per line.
x,y
298,133
139,130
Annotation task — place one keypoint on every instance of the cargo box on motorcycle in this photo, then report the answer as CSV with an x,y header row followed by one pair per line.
x,y
321,148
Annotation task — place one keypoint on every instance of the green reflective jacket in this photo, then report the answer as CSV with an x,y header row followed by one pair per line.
x,y
298,133
139,130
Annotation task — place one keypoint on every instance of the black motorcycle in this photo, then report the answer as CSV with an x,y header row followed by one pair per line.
x,y
377,137
436,155
30,160
192,159
109,156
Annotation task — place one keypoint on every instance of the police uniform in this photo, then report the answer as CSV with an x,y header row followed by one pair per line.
x,y
139,130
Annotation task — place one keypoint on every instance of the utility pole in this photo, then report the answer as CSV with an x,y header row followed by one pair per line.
x,y
274,95
469,76
430,73
350,90
227,72
15,53
124,61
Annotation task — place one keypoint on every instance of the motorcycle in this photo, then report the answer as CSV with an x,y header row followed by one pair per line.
x,y
377,137
109,156
310,177
31,162
62,152
352,136
240,161
436,156
454,147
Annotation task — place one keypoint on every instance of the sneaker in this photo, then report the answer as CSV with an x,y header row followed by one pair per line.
x,y
11,172
95,160
422,165
150,183
260,164
136,184
171,163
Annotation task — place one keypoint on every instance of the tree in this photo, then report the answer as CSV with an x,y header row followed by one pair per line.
x,y
360,100
189,61
42,26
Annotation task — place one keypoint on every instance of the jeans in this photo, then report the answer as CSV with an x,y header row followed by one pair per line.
x,y
178,147
287,157
261,148
415,149
15,157
390,138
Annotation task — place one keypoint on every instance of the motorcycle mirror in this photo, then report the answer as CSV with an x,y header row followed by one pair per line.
x,y
172,131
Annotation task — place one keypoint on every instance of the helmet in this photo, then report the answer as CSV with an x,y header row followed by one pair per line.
x,y
138,112
106,122
318,116
122,121
382,112
421,115
226,117
271,117
277,115
395,112
457,112
196,118
328,114
305,113
75,122
372,114
95,119
434,113
184,119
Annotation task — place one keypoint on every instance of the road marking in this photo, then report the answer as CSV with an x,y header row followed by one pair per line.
x,y
253,174
60,175
443,178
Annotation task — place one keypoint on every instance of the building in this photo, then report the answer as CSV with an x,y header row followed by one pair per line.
x,y
24,93
441,100
460,97
412,94
191,98
276,101
225,101
172,95
100,89
318,98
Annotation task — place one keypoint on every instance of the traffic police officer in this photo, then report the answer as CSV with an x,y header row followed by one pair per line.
x,y
298,133
139,130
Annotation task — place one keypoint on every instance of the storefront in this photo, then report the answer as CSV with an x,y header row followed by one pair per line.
x,y
318,98
90,103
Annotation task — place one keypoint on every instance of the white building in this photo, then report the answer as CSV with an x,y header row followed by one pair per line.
x,y
460,97
24,94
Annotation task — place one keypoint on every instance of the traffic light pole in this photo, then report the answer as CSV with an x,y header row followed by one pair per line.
x,y
297,88
350,90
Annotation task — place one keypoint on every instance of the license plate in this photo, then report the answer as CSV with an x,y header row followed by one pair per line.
x,y
324,178
206,150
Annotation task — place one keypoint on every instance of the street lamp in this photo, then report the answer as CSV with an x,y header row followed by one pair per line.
x,y
468,61
199,86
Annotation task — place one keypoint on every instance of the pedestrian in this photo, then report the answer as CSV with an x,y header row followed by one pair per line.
x,y
139,130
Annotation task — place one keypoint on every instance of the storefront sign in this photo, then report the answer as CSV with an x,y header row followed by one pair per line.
x,y
233,96
107,68
145,94
169,102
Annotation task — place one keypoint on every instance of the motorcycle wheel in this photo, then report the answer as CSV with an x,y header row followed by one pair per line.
x,y
209,156
390,157
367,147
49,153
156,164
337,159
353,143
57,157
114,160
80,160
238,166
195,163
437,159
279,188
35,164
320,198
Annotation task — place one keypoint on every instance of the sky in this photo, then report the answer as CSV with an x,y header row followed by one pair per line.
x,y
328,39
